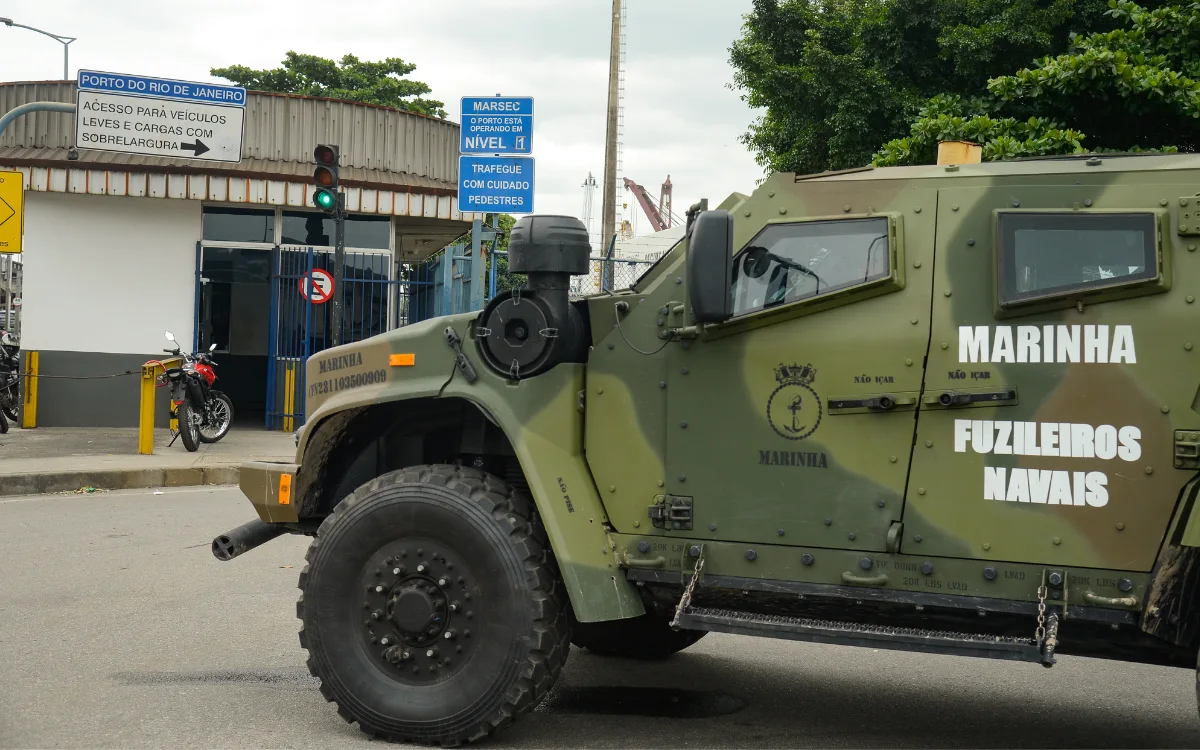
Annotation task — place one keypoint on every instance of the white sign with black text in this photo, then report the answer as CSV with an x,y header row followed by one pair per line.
x,y
159,116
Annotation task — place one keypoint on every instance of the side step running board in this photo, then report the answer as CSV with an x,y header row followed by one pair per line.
x,y
853,634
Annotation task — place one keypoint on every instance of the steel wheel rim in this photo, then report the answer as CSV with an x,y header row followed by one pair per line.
x,y
219,410
436,580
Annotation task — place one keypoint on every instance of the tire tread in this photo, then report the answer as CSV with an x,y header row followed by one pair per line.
x,y
549,607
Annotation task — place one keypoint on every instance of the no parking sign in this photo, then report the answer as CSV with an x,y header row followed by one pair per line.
x,y
317,286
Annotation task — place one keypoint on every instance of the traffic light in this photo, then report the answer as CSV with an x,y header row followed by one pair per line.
x,y
325,177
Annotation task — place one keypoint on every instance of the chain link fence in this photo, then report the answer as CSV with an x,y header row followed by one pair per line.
x,y
625,271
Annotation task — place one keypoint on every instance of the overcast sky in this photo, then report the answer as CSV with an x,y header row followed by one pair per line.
x,y
680,116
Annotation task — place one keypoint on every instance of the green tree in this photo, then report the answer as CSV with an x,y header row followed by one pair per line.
x,y
1133,88
351,79
839,77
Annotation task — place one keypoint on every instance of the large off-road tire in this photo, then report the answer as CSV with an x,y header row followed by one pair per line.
x,y
189,431
432,608
647,637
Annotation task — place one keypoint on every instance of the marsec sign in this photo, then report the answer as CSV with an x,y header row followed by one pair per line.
x,y
159,117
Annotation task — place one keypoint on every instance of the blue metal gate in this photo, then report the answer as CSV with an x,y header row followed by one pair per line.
x,y
379,294
376,298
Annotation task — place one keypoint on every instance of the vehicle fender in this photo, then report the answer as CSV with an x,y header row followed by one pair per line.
x,y
544,425
1190,514
425,363
540,416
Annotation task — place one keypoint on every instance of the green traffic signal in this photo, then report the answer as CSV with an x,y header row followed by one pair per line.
x,y
323,199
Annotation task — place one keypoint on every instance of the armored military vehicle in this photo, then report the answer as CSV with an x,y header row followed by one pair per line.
x,y
951,409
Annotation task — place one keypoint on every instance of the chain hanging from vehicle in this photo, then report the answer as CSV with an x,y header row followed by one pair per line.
x,y
1046,633
686,600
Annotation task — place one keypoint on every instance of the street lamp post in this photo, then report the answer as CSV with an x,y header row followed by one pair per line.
x,y
64,40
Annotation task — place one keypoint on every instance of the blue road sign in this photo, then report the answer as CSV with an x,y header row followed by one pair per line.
x,y
162,88
496,125
495,184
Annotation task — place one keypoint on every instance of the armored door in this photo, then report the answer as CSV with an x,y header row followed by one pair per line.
x,y
793,422
1054,385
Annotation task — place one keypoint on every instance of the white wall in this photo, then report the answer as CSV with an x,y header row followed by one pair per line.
x,y
108,274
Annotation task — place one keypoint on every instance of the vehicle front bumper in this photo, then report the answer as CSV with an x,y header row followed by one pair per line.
x,y
270,486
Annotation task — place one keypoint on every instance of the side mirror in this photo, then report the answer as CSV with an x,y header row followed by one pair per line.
x,y
710,267
213,348
170,337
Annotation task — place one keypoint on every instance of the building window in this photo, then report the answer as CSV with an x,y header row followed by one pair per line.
x,y
312,228
788,263
239,225
1057,254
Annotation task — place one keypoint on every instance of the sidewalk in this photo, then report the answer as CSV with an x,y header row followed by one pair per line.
x,y
66,459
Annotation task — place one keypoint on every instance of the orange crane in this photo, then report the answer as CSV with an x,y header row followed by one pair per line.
x,y
660,214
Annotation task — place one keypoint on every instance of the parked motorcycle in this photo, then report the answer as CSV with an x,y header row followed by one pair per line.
x,y
10,379
204,414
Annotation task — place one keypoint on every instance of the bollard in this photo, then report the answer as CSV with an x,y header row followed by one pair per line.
x,y
150,372
29,407
146,411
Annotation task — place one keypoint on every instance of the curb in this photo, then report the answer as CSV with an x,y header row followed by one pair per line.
x,y
117,479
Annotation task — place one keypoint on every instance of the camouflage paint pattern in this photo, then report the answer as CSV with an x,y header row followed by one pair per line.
x,y
539,416
693,420
696,417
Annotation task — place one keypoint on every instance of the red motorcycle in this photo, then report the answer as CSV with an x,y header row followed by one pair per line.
x,y
203,413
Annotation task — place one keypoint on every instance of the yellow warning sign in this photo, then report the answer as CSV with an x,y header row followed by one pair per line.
x,y
12,200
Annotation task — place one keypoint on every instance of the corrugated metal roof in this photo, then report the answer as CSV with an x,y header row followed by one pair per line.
x,y
247,167
380,147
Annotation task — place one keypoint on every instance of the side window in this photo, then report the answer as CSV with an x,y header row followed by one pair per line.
x,y
1044,255
788,263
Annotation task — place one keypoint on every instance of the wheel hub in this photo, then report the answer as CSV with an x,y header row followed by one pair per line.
x,y
418,610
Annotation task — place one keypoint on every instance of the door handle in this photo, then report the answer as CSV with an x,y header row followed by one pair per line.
x,y
951,399
880,579
885,402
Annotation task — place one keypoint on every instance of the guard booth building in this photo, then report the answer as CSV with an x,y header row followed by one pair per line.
x,y
118,248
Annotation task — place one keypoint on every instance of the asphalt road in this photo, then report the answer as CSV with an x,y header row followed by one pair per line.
x,y
119,629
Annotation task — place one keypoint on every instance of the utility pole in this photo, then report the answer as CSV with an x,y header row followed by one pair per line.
x,y
608,221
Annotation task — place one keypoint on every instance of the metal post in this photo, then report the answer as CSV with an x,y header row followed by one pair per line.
x,y
63,40
478,261
8,296
606,283
339,268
